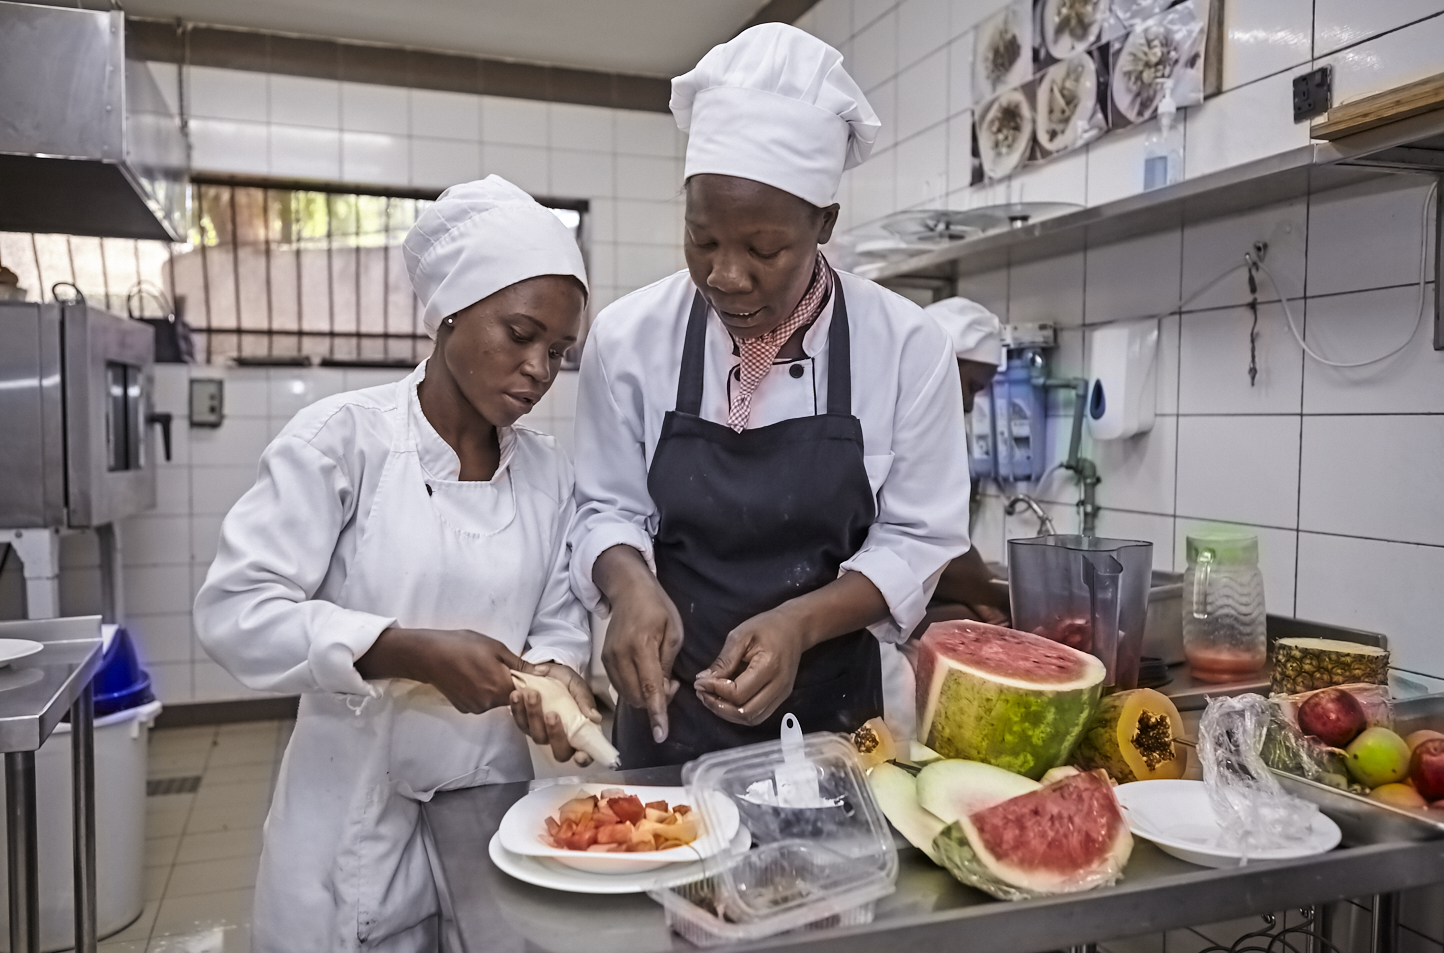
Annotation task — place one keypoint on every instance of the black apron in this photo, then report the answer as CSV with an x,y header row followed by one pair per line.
x,y
748,521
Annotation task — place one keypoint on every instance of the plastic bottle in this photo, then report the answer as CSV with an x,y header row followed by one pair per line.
x,y
1163,147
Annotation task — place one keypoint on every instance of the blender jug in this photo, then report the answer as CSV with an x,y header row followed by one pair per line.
x,y
1086,592
1225,627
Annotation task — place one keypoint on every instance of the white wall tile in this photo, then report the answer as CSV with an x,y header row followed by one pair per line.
x,y
305,153
1391,212
224,145
1137,278
527,167
245,394
155,590
366,107
214,93
1050,289
650,223
1239,469
1339,23
864,12
1149,527
832,21
156,541
1210,248
639,265
294,388
213,683
922,27
874,188
376,158
1138,473
205,537
1277,552
588,128
358,378
1169,358
171,681
874,53
1214,363
520,122
439,163
884,102
648,177
304,101
161,638
960,156
439,114
167,80
214,490
960,74
1356,327
1243,124
989,289
1265,38
580,174
1391,588
1115,165
645,134
922,169
922,95
969,13
237,442
1061,179
79,551
1376,476
601,265
1388,62
173,487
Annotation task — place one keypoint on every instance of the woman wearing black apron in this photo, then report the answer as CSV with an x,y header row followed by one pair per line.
x,y
771,468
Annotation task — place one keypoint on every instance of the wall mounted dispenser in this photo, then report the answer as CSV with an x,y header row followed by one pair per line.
x,y
1122,369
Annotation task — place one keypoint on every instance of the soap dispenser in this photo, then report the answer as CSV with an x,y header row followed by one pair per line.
x,y
1163,146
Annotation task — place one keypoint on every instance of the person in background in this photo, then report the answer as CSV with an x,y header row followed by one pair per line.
x,y
780,442
402,552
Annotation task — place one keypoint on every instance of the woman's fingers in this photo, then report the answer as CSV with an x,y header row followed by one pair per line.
x,y
557,738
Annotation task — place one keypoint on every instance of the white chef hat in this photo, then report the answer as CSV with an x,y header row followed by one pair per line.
x,y
478,238
775,105
976,332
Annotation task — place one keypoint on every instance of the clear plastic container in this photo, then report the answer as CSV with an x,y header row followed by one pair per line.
x,y
1225,624
821,853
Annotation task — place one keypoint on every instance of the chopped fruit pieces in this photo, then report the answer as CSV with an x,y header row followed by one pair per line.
x,y
616,821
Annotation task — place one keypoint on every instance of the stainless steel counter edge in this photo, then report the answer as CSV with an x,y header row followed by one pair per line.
x,y
28,718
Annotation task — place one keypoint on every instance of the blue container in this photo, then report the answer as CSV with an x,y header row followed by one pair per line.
x,y
121,683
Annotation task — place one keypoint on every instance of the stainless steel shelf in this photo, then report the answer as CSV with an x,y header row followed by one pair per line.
x,y
1414,145
36,692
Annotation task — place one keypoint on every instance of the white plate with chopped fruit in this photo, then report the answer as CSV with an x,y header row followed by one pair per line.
x,y
607,829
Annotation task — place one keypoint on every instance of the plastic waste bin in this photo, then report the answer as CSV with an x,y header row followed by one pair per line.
x,y
125,708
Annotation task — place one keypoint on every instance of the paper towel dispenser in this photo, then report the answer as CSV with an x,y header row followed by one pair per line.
x,y
1122,370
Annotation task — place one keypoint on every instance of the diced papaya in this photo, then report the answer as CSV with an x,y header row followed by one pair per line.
x,y
627,808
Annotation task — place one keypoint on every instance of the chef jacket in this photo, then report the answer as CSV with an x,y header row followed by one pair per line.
x,y
905,392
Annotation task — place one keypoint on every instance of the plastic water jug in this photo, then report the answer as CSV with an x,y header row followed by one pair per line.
x,y
1224,622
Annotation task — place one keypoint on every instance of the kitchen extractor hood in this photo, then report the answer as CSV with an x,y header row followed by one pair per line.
x,y
88,145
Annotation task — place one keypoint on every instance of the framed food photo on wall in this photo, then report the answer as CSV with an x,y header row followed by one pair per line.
x,y
1164,53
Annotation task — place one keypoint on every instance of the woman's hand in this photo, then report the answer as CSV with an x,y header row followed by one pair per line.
x,y
545,728
472,670
755,670
644,634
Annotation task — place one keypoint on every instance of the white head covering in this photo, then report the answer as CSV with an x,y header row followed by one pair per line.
x,y
976,332
775,105
478,238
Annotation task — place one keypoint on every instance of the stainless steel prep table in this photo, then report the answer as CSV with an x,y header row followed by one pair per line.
x,y
489,911
35,693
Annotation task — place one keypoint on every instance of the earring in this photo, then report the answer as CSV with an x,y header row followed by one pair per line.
x,y
451,322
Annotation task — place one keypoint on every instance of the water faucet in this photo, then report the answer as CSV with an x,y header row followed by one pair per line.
x,y
1045,523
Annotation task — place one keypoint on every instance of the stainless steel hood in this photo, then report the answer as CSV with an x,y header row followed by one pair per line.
x,y
88,145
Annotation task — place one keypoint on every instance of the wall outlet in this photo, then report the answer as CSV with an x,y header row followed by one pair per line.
x,y
1313,93
208,402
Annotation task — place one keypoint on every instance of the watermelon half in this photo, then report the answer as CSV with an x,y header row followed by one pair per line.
x,y
1003,697
1063,838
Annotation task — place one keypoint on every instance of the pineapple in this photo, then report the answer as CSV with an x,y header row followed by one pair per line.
x,y
1302,665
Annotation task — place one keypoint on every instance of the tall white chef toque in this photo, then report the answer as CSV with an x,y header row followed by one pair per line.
x,y
775,105
478,238
976,332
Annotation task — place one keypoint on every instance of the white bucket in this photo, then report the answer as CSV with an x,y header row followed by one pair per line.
x,y
121,744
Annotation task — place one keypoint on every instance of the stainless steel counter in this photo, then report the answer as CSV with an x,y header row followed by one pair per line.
x,y
35,693
930,910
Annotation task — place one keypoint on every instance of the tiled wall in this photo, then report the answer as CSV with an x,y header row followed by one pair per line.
x,y
914,61
627,163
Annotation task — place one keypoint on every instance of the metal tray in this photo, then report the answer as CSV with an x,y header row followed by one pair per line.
x,y
1363,821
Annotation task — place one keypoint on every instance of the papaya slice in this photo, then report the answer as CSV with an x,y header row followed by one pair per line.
x,y
1131,737
874,743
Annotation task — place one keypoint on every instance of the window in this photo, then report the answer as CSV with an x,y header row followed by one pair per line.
x,y
271,273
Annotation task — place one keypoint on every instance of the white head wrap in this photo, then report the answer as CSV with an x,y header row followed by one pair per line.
x,y
478,238
775,105
976,332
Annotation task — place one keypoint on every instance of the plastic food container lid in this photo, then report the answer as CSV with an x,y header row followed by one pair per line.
x,y
820,845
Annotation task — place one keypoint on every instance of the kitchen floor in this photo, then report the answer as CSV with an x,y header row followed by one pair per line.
x,y
211,789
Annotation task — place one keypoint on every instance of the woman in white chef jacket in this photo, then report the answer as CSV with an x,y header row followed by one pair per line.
x,y
783,444
402,551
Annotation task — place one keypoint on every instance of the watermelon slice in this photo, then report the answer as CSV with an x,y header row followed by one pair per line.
x,y
954,789
897,794
1003,697
1063,838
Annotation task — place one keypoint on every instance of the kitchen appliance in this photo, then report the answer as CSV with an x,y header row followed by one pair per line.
x,y
1086,592
88,145
1010,421
1225,635
75,422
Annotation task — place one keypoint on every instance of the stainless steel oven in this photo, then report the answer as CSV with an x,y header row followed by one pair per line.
x,y
75,416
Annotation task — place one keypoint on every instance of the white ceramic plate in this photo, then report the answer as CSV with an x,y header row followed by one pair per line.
x,y
522,827
12,649
545,872
1177,816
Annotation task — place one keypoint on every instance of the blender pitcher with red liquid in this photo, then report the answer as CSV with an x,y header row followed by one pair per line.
x,y
1224,623
1085,592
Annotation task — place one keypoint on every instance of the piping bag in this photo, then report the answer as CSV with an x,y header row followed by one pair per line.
x,y
583,733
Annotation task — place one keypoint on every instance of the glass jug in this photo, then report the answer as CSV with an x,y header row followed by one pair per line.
x,y
1224,624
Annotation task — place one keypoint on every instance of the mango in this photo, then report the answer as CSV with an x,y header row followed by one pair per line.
x,y
1378,756
1399,795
